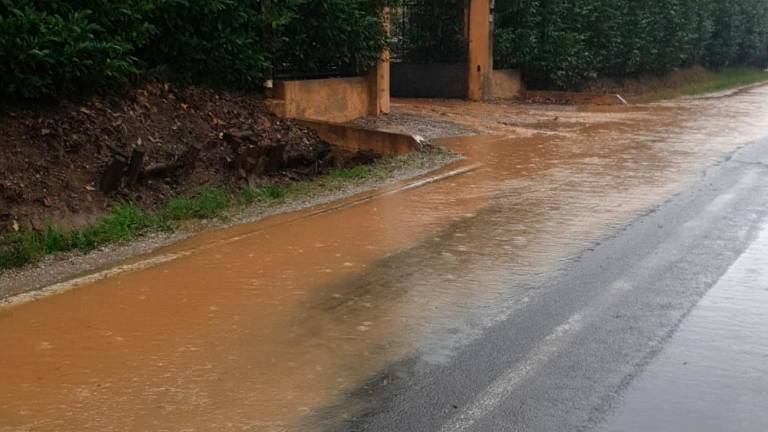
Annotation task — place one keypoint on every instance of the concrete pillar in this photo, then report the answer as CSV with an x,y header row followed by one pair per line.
x,y
380,78
380,99
480,56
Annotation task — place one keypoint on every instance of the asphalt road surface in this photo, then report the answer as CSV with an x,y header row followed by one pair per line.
x,y
566,361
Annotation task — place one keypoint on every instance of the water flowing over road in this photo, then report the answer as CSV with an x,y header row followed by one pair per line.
x,y
437,307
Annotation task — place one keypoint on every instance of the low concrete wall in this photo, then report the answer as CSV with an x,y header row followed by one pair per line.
x,y
333,99
506,84
354,138
435,80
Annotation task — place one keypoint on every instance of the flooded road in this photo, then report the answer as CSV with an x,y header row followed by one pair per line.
x,y
280,325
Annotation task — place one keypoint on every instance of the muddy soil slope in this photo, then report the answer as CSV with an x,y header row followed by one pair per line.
x,y
53,159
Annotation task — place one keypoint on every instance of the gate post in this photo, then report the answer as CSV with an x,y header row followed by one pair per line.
x,y
380,76
480,57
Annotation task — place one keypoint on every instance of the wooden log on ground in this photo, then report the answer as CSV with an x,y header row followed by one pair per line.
x,y
135,167
183,164
112,178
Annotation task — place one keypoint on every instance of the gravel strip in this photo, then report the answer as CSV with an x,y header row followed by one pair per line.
x,y
425,127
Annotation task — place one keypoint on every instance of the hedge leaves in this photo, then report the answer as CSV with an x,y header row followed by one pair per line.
x,y
564,43
55,48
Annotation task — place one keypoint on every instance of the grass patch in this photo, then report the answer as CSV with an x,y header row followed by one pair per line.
x,y
208,204
360,172
266,194
695,81
271,193
124,222
726,79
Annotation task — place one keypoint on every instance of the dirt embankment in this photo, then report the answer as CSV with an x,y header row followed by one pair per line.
x,y
53,161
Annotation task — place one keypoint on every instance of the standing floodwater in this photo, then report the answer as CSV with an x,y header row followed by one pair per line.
x,y
260,327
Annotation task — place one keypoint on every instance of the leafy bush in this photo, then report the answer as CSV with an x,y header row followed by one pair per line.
x,y
58,47
216,41
328,35
563,43
62,49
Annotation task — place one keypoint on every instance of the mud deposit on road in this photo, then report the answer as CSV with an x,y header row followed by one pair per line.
x,y
272,326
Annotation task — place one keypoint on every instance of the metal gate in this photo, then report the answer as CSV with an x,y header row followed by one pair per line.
x,y
429,31
429,49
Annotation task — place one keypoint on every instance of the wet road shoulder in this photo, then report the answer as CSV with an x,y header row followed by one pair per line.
x,y
713,373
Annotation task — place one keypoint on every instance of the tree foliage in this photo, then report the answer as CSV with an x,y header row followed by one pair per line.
x,y
54,48
563,43
62,47
329,35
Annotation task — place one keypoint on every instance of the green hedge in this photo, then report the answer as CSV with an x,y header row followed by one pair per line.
x,y
216,41
63,48
564,43
54,48
329,35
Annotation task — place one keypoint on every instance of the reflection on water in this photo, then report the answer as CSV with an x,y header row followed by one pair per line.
x,y
288,315
713,375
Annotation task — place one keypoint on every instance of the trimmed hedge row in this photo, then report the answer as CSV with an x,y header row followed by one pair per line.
x,y
54,48
563,43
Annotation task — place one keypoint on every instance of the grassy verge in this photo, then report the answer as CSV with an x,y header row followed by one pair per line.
x,y
726,79
704,82
124,222
127,222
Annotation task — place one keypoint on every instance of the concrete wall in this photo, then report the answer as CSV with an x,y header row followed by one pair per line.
x,y
506,84
436,80
355,138
333,99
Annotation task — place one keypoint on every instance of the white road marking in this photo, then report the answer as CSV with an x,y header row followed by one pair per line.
x,y
503,387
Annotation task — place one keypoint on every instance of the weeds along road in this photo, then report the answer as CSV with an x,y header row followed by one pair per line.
x,y
522,295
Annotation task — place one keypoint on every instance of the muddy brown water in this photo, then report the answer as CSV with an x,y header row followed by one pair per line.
x,y
262,326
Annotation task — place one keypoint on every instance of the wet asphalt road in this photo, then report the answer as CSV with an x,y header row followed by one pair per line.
x,y
564,362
